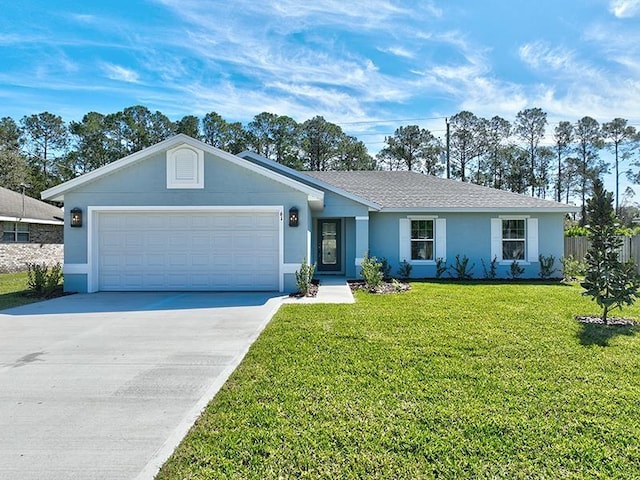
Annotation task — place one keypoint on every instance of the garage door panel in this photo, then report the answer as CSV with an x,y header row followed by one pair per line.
x,y
188,251
155,260
155,282
268,241
176,240
129,222
178,222
201,241
267,222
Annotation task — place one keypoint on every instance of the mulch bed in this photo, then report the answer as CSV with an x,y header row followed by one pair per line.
x,y
386,287
313,290
611,321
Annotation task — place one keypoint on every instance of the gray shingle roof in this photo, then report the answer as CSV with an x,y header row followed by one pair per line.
x,y
407,190
11,206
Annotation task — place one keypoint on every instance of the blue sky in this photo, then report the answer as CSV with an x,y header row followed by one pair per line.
x,y
368,66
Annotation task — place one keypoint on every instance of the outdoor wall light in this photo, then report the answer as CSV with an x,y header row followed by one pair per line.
x,y
293,217
76,217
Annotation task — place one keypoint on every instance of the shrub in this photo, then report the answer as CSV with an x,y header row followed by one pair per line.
x,y
371,272
492,272
385,268
515,270
441,267
44,281
304,277
572,268
404,270
576,231
461,269
546,266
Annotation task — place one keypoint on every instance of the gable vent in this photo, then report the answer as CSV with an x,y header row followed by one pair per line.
x,y
185,167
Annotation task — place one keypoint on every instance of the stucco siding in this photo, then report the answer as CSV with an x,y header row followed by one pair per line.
x,y
466,234
336,206
144,184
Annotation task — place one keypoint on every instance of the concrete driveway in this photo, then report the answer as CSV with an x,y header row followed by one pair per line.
x,y
105,385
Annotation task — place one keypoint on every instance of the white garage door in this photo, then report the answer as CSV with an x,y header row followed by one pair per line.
x,y
173,250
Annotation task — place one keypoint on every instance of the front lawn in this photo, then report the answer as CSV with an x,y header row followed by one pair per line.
x,y
13,287
445,381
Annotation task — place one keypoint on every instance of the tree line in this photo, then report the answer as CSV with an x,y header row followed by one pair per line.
x,y
42,150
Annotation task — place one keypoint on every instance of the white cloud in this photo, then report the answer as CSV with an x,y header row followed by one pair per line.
x,y
84,18
540,55
398,51
624,8
116,72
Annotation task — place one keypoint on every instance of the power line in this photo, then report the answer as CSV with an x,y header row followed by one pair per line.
x,y
362,122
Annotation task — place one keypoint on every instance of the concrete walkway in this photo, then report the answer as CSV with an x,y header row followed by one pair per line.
x,y
332,289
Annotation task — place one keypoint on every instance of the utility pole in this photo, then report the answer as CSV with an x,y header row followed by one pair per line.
x,y
23,186
446,120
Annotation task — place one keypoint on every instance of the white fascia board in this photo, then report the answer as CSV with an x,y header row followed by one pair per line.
x,y
510,210
57,193
30,220
308,178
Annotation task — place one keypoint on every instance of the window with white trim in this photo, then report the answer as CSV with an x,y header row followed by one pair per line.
x,y
422,240
514,239
15,232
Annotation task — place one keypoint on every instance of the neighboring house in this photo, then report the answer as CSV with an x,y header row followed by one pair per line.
x,y
32,232
182,215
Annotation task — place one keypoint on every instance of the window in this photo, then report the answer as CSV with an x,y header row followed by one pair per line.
x,y
421,239
513,239
15,232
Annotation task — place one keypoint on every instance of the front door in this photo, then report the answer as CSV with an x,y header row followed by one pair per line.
x,y
329,243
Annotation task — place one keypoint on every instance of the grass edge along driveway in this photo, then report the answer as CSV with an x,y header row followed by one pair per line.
x,y
445,381
13,290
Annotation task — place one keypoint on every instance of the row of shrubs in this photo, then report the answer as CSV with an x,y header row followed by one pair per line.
x,y
460,269
375,271
621,231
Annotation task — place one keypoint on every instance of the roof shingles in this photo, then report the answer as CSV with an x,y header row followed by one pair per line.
x,y
412,190
11,206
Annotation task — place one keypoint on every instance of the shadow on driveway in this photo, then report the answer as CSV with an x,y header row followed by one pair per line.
x,y
108,302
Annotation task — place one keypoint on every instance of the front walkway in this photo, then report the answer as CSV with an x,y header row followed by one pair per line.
x,y
332,289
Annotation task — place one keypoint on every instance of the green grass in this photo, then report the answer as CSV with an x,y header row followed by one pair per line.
x,y
445,381
13,287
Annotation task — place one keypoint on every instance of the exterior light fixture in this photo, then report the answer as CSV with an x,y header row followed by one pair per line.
x,y
293,217
76,217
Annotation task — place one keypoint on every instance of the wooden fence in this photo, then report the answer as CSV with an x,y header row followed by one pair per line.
x,y
577,248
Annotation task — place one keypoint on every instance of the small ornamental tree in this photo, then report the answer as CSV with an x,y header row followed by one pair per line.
x,y
608,281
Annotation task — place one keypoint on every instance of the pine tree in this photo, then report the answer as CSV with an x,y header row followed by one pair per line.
x,y
608,281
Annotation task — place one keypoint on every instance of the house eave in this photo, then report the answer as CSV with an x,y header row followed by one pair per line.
x,y
8,218
568,209
57,193
301,176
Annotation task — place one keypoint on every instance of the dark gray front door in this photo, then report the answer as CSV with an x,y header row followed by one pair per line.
x,y
329,242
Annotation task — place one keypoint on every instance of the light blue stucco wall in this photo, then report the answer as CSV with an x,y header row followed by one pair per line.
x,y
467,234
225,184
338,207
